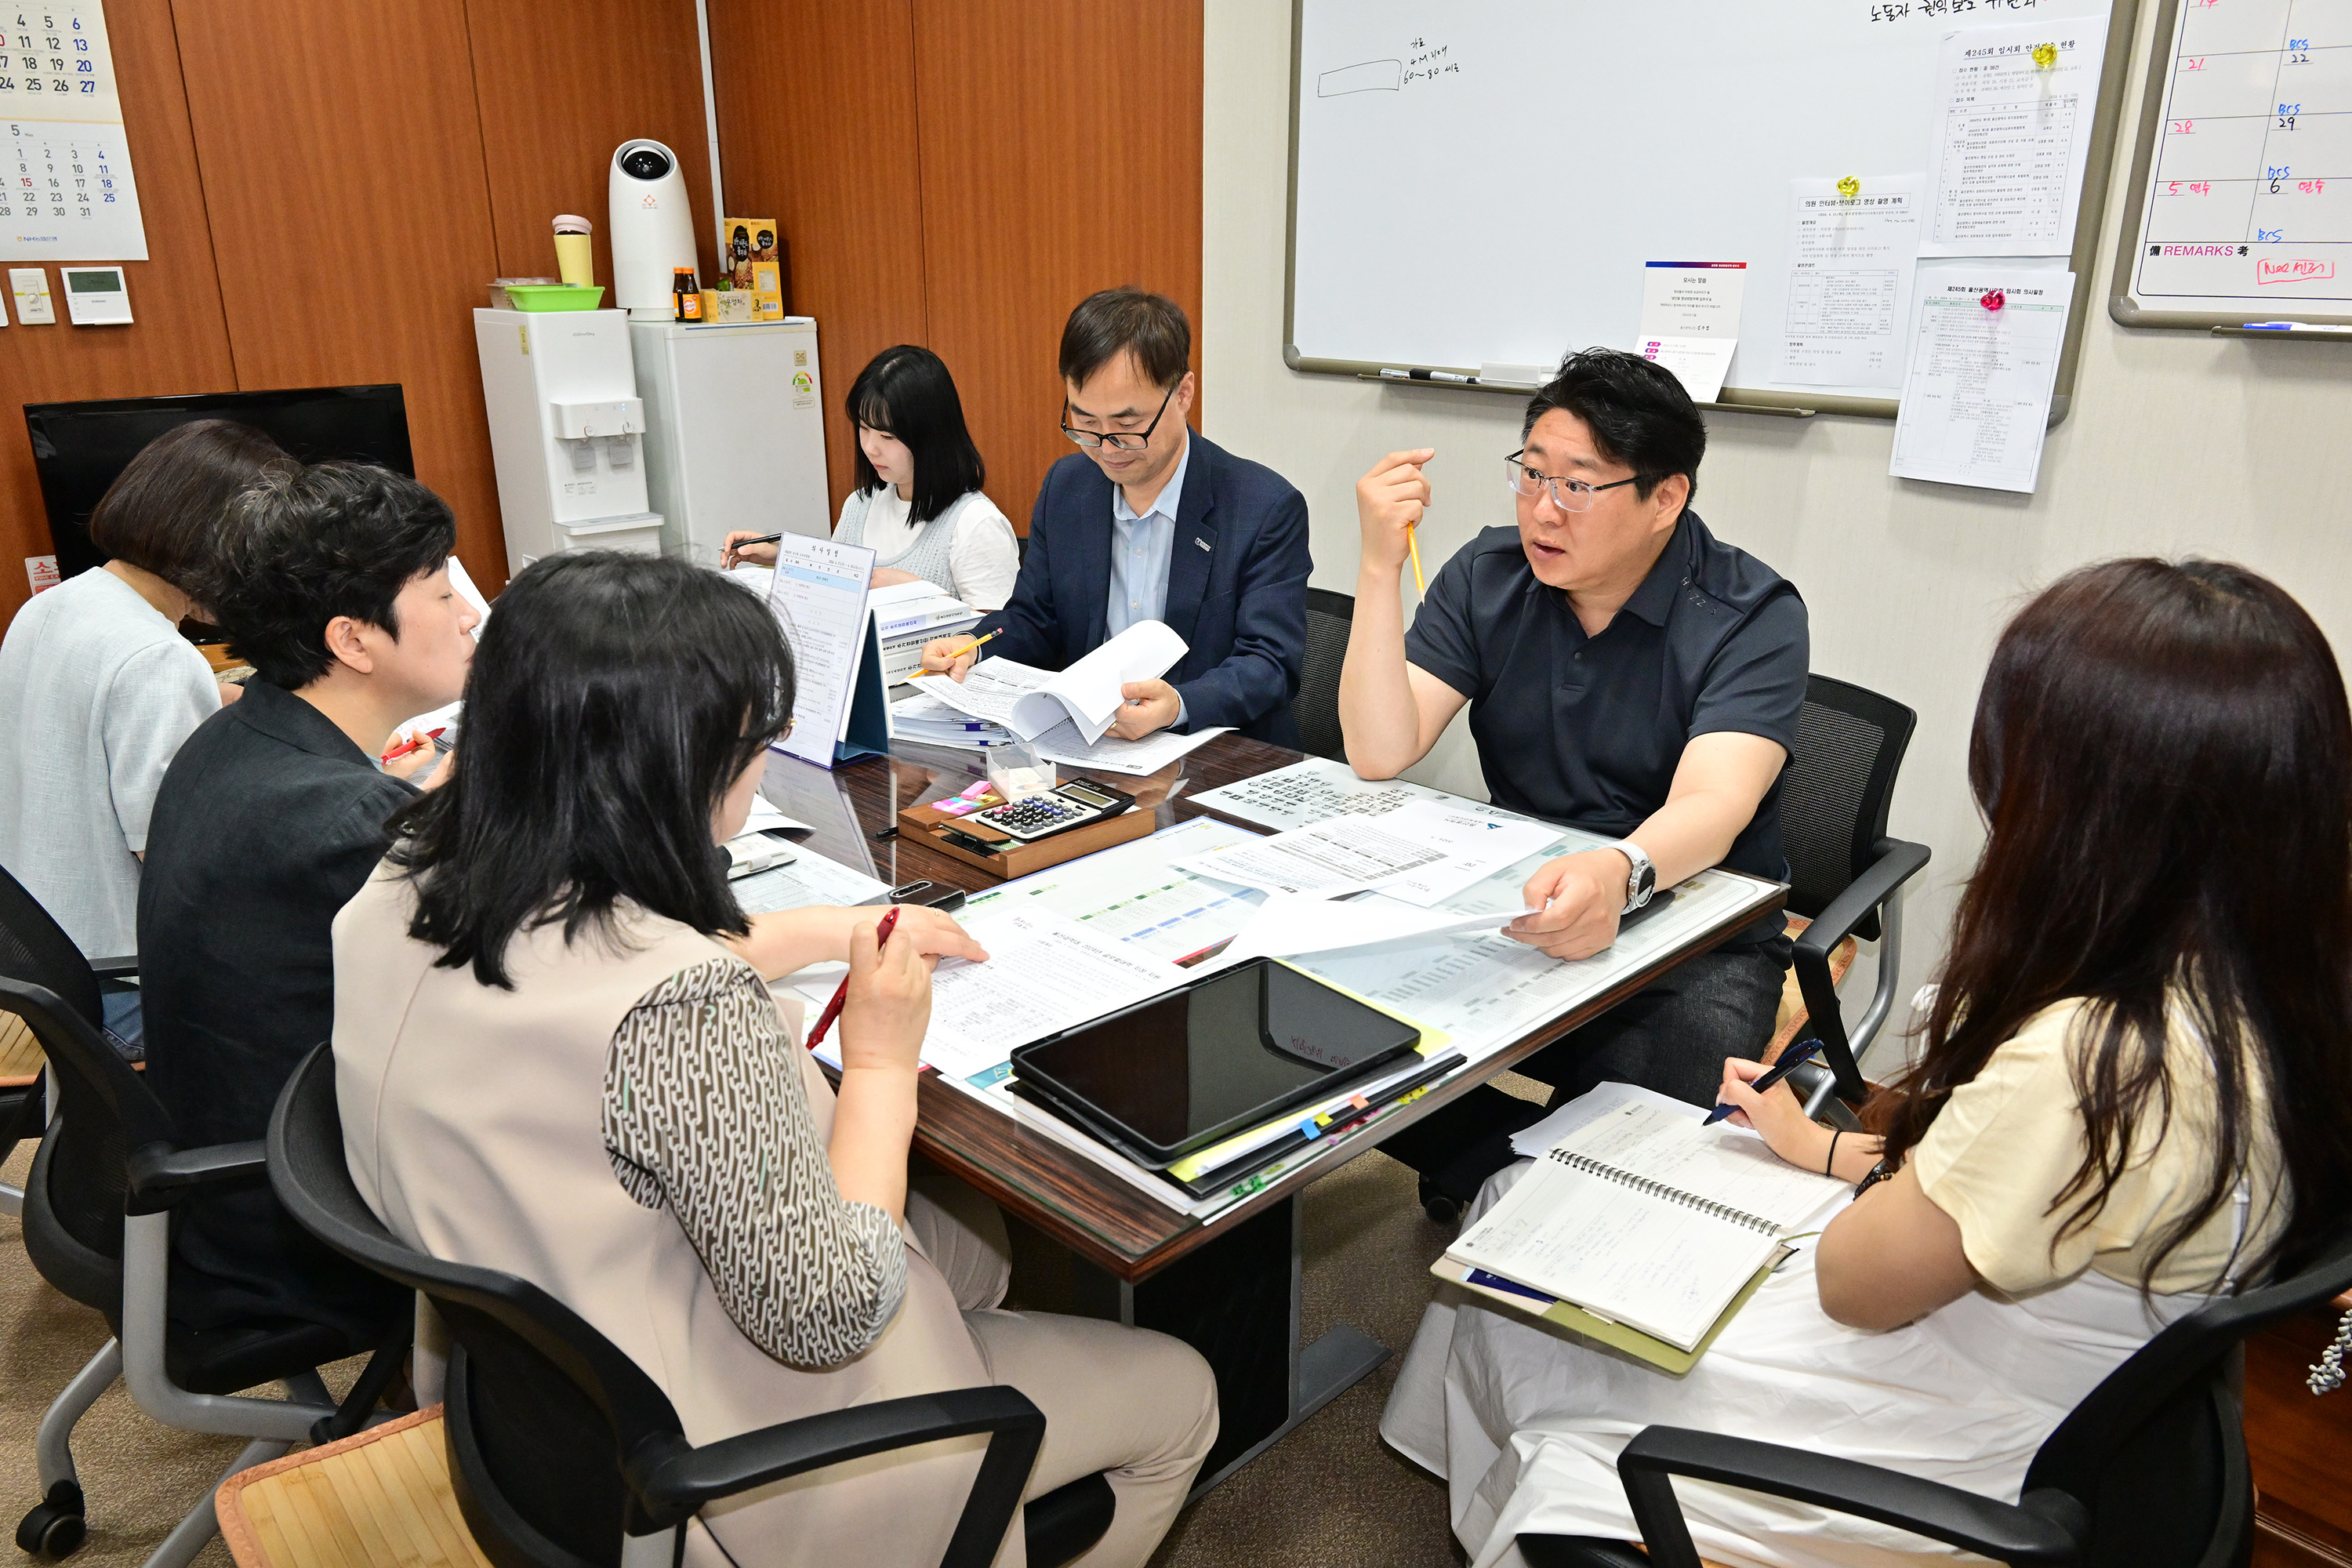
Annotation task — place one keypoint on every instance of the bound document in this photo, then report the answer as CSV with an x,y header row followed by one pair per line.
x,y
1643,1218
1030,702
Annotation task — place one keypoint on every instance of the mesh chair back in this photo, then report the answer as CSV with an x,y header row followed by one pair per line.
x,y
1835,791
36,949
2156,1452
1329,617
74,1202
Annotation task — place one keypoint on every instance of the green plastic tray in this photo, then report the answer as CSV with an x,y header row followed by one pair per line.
x,y
554,296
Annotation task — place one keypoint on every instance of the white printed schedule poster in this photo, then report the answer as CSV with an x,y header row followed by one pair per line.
x,y
66,192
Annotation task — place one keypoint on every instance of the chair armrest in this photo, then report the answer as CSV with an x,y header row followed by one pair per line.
x,y
2049,1528
114,968
670,1485
160,1175
1898,860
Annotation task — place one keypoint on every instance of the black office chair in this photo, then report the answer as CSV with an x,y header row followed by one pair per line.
x,y
36,949
1330,617
1845,875
563,1454
2150,1469
97,1220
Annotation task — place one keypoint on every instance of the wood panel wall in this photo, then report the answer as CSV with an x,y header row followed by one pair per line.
x,y
327,188
960,173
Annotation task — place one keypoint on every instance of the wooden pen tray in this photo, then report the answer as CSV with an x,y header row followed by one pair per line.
x,y
1016,859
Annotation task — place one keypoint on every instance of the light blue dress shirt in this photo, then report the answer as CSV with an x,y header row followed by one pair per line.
x,y
1141,548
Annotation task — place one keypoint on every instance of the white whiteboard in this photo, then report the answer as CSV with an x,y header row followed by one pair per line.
x,y
2242,188
1484,182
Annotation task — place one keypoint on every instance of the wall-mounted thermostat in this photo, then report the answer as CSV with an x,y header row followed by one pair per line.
x,y
30,285
95,296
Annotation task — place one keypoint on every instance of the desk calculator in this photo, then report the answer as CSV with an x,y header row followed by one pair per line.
x,y
1074,804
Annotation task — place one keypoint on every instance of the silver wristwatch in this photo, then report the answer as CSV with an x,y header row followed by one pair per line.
x,y
1643,882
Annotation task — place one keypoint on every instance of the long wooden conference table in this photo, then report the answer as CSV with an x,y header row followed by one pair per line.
x,y
1230,1286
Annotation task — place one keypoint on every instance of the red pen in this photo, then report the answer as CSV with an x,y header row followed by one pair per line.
x,y
407,746
841,992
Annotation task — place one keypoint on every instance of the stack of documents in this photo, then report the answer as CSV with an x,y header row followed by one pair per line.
x,y
926,718
908,615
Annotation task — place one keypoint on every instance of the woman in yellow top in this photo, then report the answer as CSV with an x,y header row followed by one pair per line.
x,y
2133,1094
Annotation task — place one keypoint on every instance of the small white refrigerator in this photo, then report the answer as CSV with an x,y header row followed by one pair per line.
x,y
734,431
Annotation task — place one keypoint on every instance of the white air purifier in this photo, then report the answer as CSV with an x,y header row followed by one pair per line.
x,y
652,228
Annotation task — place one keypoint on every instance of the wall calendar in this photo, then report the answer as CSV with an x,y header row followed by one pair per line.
x,y
66,192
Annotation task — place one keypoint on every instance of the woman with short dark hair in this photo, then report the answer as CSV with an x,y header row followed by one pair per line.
x,y
556,1055
916,503
2134,1093
97,689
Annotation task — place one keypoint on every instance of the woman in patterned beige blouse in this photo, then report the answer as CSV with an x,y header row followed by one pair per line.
x,y
558,1055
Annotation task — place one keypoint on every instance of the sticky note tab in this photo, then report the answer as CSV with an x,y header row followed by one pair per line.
x,y
1311,1129
1849,187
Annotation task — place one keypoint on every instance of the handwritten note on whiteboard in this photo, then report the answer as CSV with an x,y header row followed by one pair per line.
x,y
66,191
2249,203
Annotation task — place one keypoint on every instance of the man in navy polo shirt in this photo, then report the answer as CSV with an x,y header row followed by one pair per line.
x,y
1627,673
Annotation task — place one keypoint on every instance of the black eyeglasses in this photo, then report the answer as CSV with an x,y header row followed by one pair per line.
x,y
1118,440
1569,495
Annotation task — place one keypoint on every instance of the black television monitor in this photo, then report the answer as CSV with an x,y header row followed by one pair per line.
x,y
80,447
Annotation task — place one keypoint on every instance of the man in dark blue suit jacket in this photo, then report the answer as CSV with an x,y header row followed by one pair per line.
x,y
1149,521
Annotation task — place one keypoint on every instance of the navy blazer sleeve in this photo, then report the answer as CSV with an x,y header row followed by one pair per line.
x,y
1029,626
1269,649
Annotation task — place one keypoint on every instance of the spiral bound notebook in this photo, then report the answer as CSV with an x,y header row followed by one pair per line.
x,y
1644,1217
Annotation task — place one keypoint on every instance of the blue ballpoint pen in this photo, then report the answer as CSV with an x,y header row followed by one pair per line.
x,y
1792,1058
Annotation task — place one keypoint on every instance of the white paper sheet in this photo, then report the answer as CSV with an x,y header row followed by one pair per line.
x,y
1325,858
1699,364
1850,263
1475,845
1042,973
1976,398
1063,744
765,817
1089,691
818,596
1287,925
1692,298
990,690
1030,702
2011,136
810,881
1318,788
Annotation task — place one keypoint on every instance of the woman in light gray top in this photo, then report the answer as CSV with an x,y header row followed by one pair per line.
x,y
918,502
97,689
557,1055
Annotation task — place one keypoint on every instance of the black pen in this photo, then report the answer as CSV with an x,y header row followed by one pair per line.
x,y
763,539
1792,1058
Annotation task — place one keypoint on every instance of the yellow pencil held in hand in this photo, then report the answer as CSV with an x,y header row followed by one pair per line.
x,y
969,646
1412,542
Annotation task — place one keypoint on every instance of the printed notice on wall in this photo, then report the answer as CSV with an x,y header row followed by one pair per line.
x,y
2013,110
1984,359
66,192
1852,242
